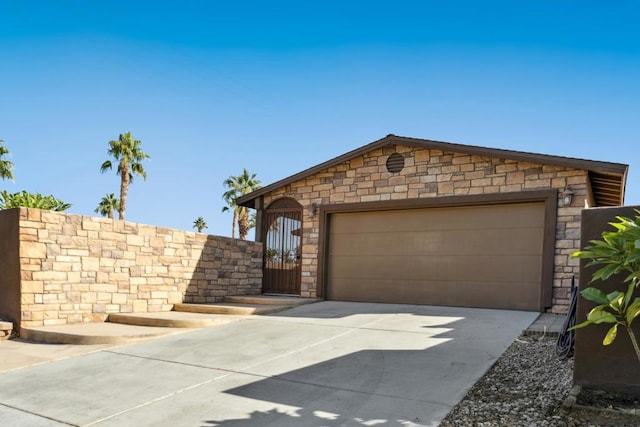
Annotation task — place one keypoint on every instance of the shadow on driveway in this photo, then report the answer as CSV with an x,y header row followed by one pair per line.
x,y
330,363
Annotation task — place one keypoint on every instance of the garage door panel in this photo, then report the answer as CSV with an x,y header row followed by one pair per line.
x,y
441,268
488,254
463,218
467,242
459,294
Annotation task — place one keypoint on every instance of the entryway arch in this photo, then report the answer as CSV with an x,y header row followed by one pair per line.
x,y
282,237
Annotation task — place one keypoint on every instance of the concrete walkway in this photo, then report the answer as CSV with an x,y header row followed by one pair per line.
x,y
547,324
328,363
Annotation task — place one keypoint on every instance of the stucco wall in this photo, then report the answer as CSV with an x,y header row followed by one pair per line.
x,y
433,173
81,268
612,367
9,267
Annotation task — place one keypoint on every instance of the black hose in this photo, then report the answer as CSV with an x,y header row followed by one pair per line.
x,y
566,339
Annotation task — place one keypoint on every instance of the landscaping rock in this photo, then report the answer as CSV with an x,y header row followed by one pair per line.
x,y
527,386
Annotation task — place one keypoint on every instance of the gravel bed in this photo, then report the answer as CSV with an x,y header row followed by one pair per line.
x,y
526,387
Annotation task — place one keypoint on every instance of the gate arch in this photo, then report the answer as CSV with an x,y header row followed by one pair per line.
x,y
282,237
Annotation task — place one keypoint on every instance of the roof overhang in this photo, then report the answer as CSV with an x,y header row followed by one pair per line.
x,y
608,180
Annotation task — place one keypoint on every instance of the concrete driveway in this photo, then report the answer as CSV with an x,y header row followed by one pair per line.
x,y
324,364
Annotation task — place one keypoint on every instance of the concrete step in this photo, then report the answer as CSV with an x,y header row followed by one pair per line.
x,y
94,333
6,329
131,327
291,301
171,319
230,308
547,324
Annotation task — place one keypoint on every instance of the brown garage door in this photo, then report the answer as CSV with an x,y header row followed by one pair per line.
x,y
472,256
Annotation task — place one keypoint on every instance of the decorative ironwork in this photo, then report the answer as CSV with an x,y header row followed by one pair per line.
x,y
283,247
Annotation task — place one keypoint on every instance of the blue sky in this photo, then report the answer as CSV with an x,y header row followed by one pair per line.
x,y
212,87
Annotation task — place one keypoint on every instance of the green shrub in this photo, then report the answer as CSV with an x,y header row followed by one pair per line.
x,y
618,253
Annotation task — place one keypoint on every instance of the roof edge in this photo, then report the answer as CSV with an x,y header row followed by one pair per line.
x,y
524,156
617,169
248,199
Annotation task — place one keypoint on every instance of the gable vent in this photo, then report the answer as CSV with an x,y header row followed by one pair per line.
x,y
395,163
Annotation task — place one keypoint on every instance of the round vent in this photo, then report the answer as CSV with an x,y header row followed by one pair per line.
x,y
395,163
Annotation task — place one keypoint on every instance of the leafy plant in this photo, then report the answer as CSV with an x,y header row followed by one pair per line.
x,y
31,200
271,253
200,224
24,198
618,253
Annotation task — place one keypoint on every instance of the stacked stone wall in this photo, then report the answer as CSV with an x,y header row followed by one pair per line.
x,y
434,173
81,268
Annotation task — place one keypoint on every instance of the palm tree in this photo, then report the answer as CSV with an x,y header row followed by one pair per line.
x,y
200,224
129,155
231,204
5,165
239,186
107,205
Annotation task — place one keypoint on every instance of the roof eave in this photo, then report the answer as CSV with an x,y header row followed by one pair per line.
x,y
593,165
569,162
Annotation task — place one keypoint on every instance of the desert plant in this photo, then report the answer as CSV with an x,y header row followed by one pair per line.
x,y
618,253
129,155
200,224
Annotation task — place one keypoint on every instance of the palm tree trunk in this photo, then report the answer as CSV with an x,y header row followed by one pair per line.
x,y
124,189
110,213
233,225
243,224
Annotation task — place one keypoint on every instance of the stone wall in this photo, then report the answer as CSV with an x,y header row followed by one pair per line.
x,y
9,267
81,268
433,173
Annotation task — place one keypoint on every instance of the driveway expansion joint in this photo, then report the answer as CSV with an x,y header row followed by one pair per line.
x,y
157,359
37,415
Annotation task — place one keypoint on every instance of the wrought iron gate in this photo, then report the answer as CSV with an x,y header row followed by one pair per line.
x,y
282,237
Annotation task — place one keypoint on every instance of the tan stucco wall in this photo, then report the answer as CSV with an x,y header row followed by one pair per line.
x,y
433,173
80,268
9,266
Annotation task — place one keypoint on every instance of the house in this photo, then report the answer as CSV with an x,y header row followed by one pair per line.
x,y
406,220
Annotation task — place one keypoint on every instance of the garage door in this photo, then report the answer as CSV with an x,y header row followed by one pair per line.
x,y
472,256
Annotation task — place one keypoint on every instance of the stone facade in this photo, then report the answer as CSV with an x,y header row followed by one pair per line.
x,y
433,173
80,268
